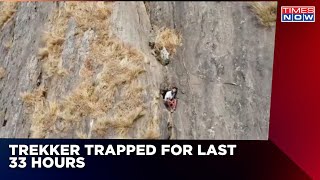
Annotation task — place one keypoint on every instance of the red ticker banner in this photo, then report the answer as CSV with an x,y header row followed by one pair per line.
x,y
295,107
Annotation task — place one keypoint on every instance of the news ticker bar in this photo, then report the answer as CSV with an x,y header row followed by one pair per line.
x,y
56,153
73,155
95,158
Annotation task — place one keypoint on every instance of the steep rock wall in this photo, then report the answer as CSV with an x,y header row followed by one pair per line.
x,y
223,69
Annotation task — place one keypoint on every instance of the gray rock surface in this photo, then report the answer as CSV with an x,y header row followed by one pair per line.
x,y
20,41
223,69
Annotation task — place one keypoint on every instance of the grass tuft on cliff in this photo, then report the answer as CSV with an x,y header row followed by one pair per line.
x,y
7,11
266,12
2,72
169,39
152,131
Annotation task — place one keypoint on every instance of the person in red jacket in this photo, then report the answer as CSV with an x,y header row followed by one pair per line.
x,y
170,99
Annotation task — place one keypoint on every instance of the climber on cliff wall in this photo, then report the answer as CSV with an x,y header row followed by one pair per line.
x,y
170,99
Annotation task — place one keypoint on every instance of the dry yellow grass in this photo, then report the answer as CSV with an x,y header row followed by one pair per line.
x,y
54,39
43,53
2,72
8,44
152,130
125,112
266,12
169,39
81,135
87,14
34,97
7,11
43,113
94,97
43,118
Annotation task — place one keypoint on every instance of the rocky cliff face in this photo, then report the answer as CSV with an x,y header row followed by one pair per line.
x,y
97,78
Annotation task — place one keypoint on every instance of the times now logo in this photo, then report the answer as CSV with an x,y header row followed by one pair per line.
x,y
298,13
